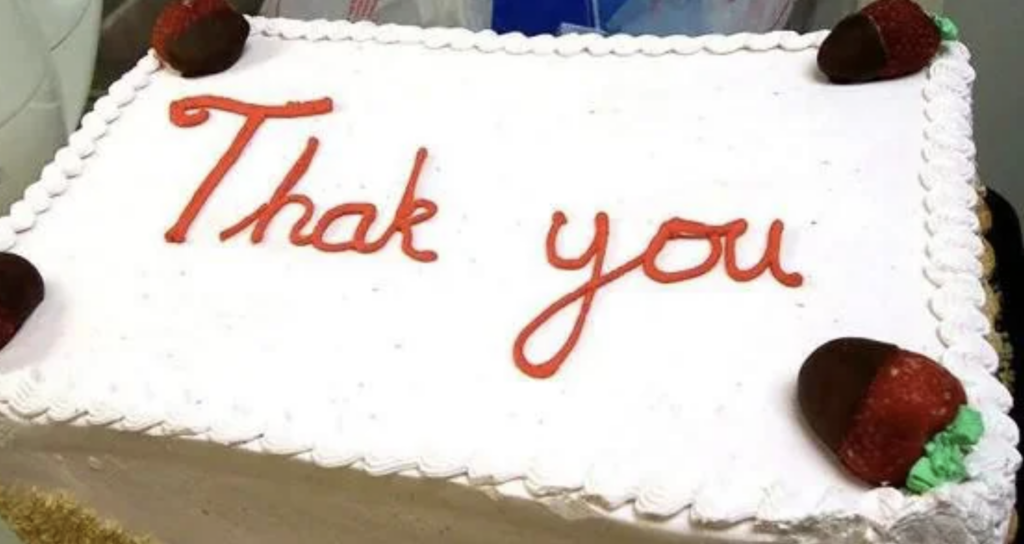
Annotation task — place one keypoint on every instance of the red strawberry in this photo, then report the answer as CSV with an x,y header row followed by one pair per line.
x,y
876,406
200,37
21,291
887,39
178,15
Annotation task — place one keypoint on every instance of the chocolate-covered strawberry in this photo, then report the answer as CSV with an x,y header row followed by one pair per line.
x,y
200,37
876,405
21,291
886,39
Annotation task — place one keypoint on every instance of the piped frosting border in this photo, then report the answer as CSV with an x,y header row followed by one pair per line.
x,y
979,508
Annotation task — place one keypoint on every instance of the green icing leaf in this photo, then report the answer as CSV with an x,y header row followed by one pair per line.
x,y
943,460
922,477
947,28
967,428
947,460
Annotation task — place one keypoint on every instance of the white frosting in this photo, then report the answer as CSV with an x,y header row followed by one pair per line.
x,y
677,405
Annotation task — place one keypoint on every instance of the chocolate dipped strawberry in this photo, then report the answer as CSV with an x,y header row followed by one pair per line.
x,y
21,291
876,406
885,40
200,37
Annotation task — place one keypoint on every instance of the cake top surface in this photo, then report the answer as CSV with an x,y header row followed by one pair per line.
x,y
514,259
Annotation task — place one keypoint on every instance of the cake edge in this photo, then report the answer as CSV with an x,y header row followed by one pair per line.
x,y
980,507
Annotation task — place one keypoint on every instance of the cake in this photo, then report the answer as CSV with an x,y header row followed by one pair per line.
x,y
387,284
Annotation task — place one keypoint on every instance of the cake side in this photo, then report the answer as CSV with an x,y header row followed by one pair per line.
x,y
952,256
196,491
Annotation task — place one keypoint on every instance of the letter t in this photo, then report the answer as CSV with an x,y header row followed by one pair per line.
x,y
194,111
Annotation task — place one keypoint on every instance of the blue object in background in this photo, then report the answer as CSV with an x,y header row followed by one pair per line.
x,y
532,17
607,8
636,17
661,17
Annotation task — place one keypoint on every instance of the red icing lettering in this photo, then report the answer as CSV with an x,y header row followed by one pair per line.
x,y
367,214
194,111
282,197
411,210
721,239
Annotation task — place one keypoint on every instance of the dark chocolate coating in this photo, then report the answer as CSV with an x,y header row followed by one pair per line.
x,y
21,292
209,46
853,52
834,381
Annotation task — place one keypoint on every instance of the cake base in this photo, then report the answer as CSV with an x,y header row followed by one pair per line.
x,y
150,485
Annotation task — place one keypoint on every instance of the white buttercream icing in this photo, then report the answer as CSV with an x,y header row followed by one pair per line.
x,y
67,366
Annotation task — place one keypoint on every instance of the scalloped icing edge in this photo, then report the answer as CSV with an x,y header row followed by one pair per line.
x,y
980,507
